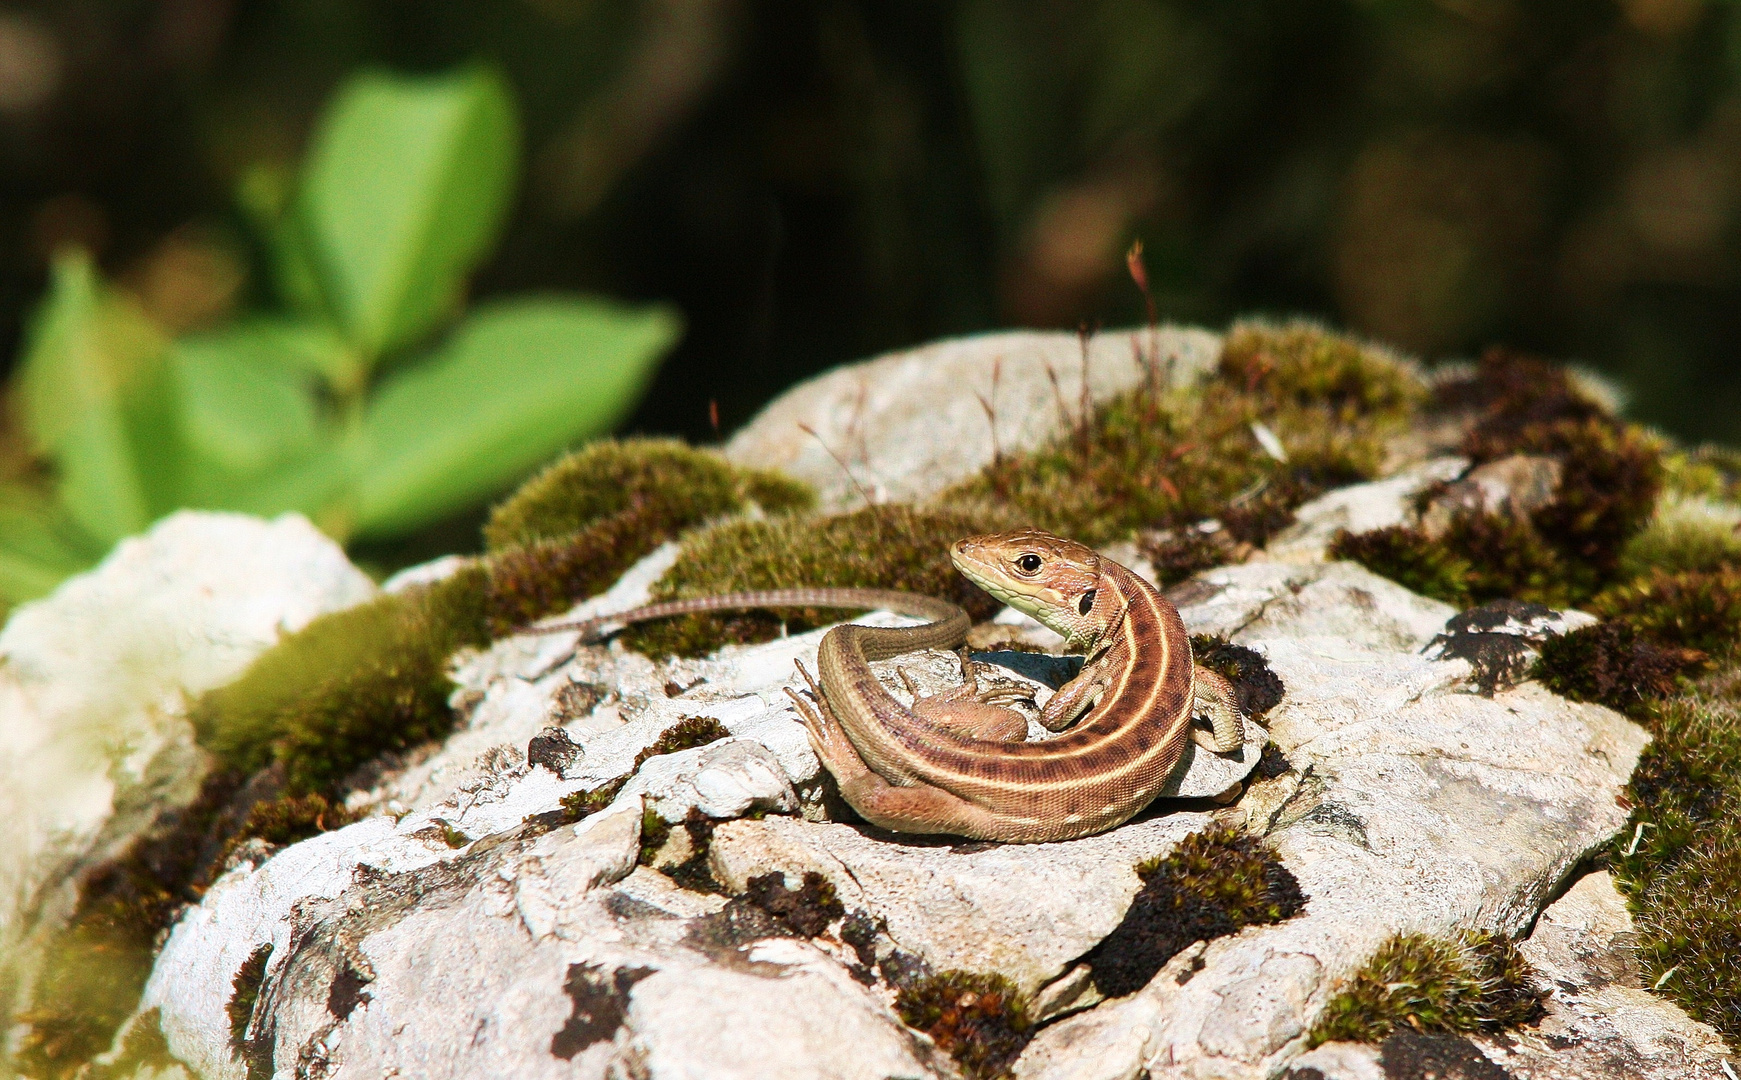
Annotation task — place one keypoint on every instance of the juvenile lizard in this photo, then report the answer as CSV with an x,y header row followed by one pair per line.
x,y
955,762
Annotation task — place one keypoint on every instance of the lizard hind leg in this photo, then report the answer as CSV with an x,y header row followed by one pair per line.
x,y
970,711
1215,698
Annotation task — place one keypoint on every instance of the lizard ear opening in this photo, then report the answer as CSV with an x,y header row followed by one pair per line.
x,y
1085,604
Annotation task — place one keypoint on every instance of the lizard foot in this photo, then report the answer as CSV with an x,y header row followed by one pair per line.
x,y
1215,698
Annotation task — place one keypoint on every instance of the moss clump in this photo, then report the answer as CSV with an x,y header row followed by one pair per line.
x,y
1476,983
1146,461
349,686
805,911
1407,557
1680,863
1695,610
244,992
1687,533
1259,688
884,547
1214,883
290,818
687,486
1612,664
1709,472
655,830
979,1020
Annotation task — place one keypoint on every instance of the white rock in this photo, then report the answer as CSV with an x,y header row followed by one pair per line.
x,y
725,779
95,680
1359,508
912,423
959,905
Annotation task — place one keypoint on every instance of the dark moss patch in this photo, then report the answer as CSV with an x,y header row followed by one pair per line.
x,y
884,547
1144,460
1214,883
979,1020
1511,391
1272,762
1259,688
1476,983
601,1002
1613,664
244,993
1694,609
694,873
608,477
805,911
1406,556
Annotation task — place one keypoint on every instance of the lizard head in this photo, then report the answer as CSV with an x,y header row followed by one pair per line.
x,y
1054,580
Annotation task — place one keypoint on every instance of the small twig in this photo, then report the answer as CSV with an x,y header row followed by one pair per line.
x,y
1084,337
810,431
713,415
990,407
1133,262
1058,396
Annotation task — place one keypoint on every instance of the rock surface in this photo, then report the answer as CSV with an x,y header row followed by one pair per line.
x,y
93,743
882,418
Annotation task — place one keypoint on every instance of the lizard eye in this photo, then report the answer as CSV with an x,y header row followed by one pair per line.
x,y
1028,564
1086,604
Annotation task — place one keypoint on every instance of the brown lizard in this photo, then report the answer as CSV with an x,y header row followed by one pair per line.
x,y
956,762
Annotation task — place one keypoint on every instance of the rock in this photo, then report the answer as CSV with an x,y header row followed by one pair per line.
x,y
881,418
1359,508
1338,1061
519,959
95,680
1602,1024
1411,805
1502,638
725,779
958,905
1515,486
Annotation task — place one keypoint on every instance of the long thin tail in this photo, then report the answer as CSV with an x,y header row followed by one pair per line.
x,y
901,603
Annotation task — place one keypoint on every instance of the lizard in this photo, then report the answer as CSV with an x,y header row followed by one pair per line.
x,y
956,763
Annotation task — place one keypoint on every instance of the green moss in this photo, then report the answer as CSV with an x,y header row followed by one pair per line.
x,y
1696,610
1613,664
1689,927
1686,533
886,547
1475,983
1145,462
349,686
655,830
609,477
290,818
1709,472
1214,883
980,1020
1406,556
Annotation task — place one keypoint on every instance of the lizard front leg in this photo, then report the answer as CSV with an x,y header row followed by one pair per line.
x,y
1215,698
969,711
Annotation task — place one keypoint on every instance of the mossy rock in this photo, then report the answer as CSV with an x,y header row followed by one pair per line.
x,y
1477,982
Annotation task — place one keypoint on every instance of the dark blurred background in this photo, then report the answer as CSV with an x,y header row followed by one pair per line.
x,y
817,181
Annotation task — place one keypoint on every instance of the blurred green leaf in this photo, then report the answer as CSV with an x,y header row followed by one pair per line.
x,y
404,192
518,381
264,196
39,547
246,403
92,373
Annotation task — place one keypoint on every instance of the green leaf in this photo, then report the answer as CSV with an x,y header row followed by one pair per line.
x,y
91,380
246,398
518,381
403,194
39,547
